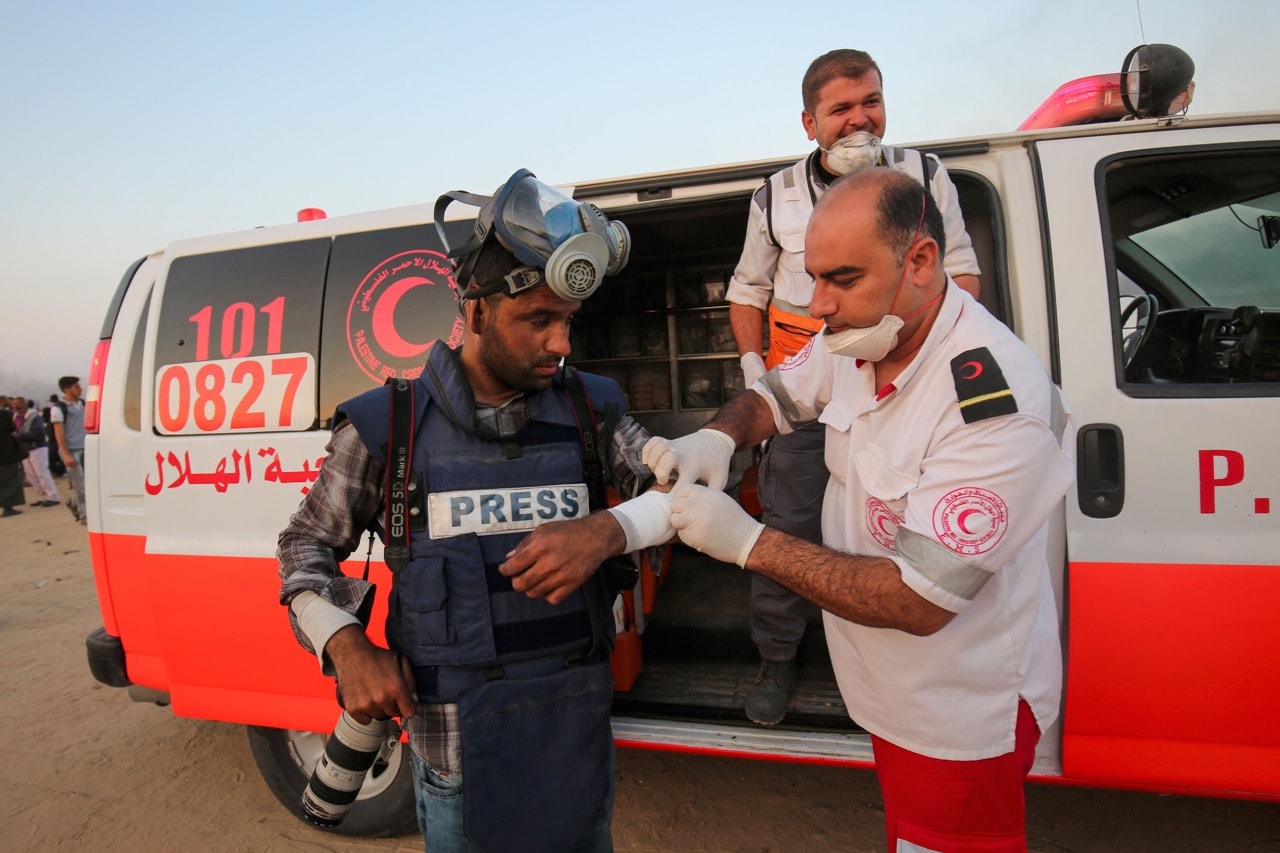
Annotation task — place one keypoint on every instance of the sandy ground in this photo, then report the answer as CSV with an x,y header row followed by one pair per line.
x,y
87,769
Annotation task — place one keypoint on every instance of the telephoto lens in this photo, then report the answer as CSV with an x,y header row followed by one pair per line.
x,y
340,772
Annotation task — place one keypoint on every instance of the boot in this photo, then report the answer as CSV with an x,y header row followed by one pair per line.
x,y
767,700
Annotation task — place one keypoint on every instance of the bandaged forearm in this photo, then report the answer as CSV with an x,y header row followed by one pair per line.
x,y
319,620
645,520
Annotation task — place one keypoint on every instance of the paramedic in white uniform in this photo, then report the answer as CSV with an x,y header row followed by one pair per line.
x,y
844,114
945,448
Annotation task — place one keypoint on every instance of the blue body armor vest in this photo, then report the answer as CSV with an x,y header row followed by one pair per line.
x,y
451,613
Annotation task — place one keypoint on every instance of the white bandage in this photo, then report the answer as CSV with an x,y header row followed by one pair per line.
x,y
318,620
645,520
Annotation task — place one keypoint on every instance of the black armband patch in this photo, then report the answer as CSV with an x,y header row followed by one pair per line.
x,y
981,388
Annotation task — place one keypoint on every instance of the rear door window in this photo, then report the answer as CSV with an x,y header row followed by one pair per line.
x,y
238,339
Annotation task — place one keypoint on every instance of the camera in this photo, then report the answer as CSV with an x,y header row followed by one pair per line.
x,y
336,781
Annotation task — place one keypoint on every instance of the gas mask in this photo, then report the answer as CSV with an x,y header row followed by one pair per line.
x,y
569,246
853,152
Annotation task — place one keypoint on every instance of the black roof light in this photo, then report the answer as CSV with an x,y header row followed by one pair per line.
x,y
1153,76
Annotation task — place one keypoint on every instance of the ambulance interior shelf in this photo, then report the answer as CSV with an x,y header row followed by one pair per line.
x,y
664,336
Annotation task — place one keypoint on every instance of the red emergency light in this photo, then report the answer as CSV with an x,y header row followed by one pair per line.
x,y
1081,101
1154,80
308,214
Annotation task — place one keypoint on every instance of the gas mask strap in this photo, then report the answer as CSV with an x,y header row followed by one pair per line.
x,y
482,226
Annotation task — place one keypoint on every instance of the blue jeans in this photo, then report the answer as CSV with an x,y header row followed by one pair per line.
x,y
440,812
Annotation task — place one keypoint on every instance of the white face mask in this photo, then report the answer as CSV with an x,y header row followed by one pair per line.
x,y
856,151
869,343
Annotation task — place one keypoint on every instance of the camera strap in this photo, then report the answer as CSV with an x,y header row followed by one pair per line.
x,y
399,477
621,572
589,435
398,485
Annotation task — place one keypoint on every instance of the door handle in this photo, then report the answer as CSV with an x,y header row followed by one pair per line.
x,y
1100,470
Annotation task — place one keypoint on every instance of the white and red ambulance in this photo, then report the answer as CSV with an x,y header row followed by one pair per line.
x,y
1137,258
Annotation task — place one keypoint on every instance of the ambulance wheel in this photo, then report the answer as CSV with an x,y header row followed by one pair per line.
x,y
385,807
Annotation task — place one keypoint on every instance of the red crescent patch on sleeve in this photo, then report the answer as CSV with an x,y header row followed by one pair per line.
x,y
882,523
970,520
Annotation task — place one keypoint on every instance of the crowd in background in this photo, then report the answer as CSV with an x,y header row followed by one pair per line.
x,y
39,444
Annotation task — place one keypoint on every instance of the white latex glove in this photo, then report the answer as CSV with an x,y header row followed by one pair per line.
x,y
752,368
701,456
714,523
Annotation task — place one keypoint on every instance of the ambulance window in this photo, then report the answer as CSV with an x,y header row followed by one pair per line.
x,y
984,223
1196,283
238,338
133,377
389,295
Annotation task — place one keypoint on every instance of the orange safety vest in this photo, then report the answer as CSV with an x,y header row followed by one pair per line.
x,y
788,333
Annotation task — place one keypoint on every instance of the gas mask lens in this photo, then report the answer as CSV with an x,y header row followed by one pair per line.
x,y
534,219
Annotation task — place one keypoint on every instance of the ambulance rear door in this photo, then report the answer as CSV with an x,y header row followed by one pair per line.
x,y
256,339
1167,301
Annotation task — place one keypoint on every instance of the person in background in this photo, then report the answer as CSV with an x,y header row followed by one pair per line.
x,y
32,434
56,468
11,491
844,112
945,446
67,418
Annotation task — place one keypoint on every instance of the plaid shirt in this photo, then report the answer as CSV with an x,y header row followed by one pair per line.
x,y
328,525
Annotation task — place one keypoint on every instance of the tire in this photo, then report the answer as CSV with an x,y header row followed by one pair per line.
x,y
386,806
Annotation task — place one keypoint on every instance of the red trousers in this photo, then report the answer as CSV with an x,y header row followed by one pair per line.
x,y
931,804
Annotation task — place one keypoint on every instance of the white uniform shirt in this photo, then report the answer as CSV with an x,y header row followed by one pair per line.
x,y
973,500
766,270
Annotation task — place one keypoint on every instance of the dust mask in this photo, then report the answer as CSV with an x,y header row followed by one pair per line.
x,y
869,343
855,151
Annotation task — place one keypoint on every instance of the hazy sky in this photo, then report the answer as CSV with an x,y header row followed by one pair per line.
x,y
127,125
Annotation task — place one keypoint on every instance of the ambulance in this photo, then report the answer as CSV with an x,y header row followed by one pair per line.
x,y
1137,258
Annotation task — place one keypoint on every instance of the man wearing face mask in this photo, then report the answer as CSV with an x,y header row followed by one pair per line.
x,y
945,446
844,113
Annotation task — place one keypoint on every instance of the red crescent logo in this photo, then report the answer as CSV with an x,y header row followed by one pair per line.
x,y
412,290
956,528
384,324
977,370
882,523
